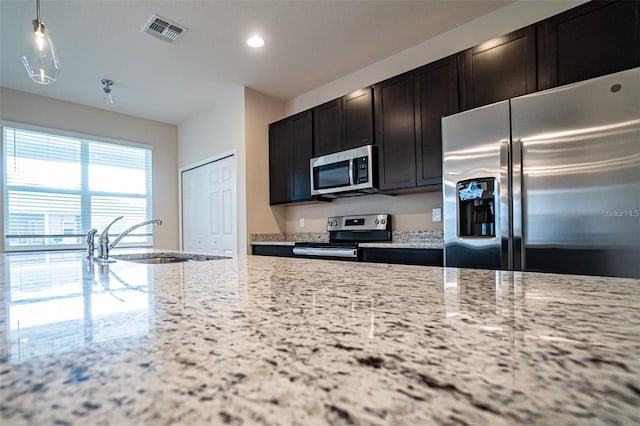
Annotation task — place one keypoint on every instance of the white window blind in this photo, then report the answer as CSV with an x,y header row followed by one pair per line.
x,y
57,187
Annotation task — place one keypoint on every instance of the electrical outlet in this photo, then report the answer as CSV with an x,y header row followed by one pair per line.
x,y
301,222
436,215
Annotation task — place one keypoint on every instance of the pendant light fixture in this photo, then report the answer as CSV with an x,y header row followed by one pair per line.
x,y
108,99
41,62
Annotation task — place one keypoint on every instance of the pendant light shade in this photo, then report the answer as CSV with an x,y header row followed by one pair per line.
x,y
41,61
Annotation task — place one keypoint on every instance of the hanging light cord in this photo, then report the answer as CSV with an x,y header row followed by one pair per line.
x,y
38,26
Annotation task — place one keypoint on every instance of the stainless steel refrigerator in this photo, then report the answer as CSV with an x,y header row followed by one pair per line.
x,y
547,182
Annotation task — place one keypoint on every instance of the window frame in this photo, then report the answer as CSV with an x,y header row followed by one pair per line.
x,y
82,192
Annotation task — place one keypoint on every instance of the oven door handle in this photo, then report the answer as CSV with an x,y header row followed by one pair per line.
x,y
328,252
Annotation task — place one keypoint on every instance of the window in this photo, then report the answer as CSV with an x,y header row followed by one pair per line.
x,y
57,187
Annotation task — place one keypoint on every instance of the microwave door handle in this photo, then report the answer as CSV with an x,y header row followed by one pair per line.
x,y
351,171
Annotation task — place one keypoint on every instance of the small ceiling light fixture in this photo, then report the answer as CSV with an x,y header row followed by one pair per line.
x,y
108,99
41,62
255,41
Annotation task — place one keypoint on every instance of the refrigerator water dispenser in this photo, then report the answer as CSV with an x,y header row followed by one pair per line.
x,y
476,208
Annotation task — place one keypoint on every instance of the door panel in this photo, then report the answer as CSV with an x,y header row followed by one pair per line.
x,y
327,119
358,119
594,39
499,69
475,144
395,132
279,162
436,95
301,153
581,173
208,208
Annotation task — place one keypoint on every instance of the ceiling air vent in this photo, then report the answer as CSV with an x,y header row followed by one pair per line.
x,y
163,29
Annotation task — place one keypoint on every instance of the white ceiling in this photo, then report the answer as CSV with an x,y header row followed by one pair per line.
x,y
308,44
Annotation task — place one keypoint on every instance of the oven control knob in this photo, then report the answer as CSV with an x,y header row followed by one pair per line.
x,y
335,223
383,221
376,221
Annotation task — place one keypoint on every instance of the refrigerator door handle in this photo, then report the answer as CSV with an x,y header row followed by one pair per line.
x,y
506,250
517,206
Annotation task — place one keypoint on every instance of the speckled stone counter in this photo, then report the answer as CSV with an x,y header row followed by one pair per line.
x,y
282,341
421,239
273,243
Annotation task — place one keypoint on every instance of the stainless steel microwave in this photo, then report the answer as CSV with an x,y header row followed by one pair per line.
x,y
344,173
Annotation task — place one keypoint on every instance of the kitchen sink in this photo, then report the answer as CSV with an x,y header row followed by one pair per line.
x,y
158,258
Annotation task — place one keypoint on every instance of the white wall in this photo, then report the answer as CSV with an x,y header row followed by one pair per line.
x,y
410,211
260,110
218,130
26,108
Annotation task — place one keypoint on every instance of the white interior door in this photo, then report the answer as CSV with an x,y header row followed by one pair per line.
x,y
208,208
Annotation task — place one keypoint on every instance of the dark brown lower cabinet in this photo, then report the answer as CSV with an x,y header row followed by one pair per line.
x,y
405,256
272,250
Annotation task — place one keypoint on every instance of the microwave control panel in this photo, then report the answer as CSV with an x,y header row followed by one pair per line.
x,y
361,172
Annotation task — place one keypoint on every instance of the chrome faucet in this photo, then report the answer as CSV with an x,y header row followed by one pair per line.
x,y
103,240
90,242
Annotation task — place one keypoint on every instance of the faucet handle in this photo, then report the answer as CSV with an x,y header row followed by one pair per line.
x,y
90,241
105,233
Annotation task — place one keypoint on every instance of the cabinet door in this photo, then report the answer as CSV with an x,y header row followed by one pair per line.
x,y
588,41
301,153
499,69
328,127
436,95
279,161
395,132
358,119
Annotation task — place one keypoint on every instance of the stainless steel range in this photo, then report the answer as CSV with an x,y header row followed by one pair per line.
x,y
345,232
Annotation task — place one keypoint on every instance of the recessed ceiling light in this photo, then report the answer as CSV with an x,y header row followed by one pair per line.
x,y
255,41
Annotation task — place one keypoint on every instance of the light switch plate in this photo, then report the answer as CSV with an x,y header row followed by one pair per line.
x,y
436,215
301,222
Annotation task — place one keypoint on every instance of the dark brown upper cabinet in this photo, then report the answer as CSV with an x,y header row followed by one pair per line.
x,y
591,40
279,162
290,149
358,118
409,109
343,123
327,132
436,95
395,132
498,69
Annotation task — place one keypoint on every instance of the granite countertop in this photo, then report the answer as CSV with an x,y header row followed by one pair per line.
x,y
421,239
285,341
416,245
273,243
